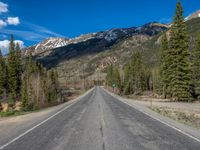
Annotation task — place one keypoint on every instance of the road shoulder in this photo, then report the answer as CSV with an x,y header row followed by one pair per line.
x,y
12,127
186,130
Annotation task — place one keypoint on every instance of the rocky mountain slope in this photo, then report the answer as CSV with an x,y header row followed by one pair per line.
x,y
89,55
104,38
194,15
84,55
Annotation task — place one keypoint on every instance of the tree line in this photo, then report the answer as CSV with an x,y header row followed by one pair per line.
x,y
133,78
178,74
24,80
179,66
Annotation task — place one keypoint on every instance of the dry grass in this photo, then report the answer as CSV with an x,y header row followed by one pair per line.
x,y
189,118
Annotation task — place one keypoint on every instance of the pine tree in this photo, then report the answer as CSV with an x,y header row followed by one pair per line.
x,y
53,85
127,80
136,75
164,66
117,79
12,73
24,94
196,67
179,68
2,74
109,75
18,67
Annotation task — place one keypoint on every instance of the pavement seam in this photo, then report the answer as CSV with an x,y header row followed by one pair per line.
x,y
159,120
102,126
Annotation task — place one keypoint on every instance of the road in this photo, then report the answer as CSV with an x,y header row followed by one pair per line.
x,y
99,121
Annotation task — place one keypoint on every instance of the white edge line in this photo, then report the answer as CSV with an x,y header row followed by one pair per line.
x,y
175,128
41,123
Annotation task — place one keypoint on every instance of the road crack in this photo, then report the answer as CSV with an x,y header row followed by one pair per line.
x,y
102,126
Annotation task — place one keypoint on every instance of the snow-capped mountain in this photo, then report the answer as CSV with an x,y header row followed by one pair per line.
x,y
52,43
193,16
53,51
48,44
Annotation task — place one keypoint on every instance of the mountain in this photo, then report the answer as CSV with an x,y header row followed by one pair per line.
x,y
86,54
150,48
47,50
193,15
45,47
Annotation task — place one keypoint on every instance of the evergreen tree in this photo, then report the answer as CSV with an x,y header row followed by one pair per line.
x,y
164,66
109,76
179,68
12,73
2,74
117,79
136,75
196,67
127,79
24,94
18,67
53,85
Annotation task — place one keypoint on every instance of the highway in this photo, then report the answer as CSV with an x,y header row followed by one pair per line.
x,y
99,121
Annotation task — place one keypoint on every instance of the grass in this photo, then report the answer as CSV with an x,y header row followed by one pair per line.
x,y
133,97
188,118
11,113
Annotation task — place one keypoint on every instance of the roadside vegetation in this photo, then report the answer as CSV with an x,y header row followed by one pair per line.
x,y
186,117
25,85
176,76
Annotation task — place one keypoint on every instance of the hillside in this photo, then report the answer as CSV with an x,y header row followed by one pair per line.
x,y
150,48
83,56
88,56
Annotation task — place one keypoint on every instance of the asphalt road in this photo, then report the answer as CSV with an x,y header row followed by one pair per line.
x,y
99,121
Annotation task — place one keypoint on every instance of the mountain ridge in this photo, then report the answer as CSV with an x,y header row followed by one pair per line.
x,y
45,46
84,58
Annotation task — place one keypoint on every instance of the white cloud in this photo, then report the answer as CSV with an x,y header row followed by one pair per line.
x,y
26,35
13,20
41,29
4,45
2,23
33,33
9,20
3,7
21,43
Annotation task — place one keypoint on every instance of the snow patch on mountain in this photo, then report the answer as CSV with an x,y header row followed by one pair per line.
x,y
52,43
49,45
193,16
111,35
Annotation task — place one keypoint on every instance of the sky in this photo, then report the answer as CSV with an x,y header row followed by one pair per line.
x,y
31,21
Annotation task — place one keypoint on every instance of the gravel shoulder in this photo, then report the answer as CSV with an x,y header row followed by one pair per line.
x,y
192,107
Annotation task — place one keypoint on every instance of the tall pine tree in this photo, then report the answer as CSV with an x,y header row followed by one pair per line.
x,y
196,67
2,74
12,73
117,79
24,93
18,67
109,76
135,75
179,54
164,66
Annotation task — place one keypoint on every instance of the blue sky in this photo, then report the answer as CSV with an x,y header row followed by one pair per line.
x,y
34,20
